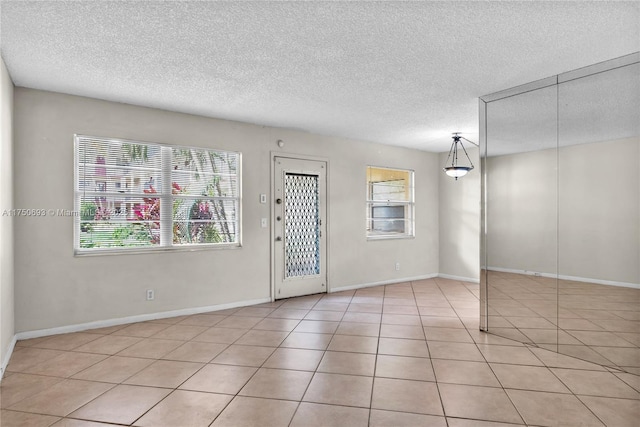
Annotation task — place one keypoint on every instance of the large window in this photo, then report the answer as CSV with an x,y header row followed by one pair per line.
x,y
141,196
389,203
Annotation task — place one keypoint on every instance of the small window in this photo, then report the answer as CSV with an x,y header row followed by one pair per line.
x,y
390,203
141,196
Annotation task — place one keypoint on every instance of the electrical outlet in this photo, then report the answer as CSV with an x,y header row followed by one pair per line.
x,y
397,266
151,294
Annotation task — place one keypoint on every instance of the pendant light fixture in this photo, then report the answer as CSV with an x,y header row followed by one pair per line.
x,y
456,170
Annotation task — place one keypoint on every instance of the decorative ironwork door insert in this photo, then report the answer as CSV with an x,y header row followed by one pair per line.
x,y
299,227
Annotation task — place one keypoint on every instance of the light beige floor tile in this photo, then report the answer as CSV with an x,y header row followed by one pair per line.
x,y
354,344
239,322
285,325
68,342
437,311
402,331
556,360
552,409
315,415
447,334
630,379
294,358
454,351
244,355
592,383
307,341
464,372
24,358
263,338
66,364
348,363
62,398
317,326
164,373
406,396
522,377
193,351
400,309
207,320
220,335
277,384
337,389
329,316
23,419
151,348
256,412
331,306
170,320
19,386
359,329
180,332
365,308
480,403
599,338
401,367
108,344
142,330
254,311
70,422
122,404
403,419
441,322
621,356
114,369
225,379
403,347
508,354
459,422
185,408
401,319
357,299
289,313
614,412
106,330
358,317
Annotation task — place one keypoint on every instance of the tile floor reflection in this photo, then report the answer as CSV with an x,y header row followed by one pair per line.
x,y
593,322
407,354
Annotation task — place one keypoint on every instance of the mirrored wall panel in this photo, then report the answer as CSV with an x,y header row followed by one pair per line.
x,y
561,213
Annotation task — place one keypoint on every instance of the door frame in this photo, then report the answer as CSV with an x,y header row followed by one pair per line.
x,y
272,220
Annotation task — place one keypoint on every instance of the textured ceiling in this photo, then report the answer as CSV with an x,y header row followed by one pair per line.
x,y
400,73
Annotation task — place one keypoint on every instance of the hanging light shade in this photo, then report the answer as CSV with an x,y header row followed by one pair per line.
x,y
455,169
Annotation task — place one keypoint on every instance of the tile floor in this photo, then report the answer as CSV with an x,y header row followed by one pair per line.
x,y
407,354
593,322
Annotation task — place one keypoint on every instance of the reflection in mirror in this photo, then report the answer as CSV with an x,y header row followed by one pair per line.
x,y
561,214
521,188
599,218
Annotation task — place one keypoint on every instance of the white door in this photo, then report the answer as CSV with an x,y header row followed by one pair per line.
x,y
299,212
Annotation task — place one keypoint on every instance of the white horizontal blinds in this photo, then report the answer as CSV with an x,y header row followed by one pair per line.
x,y
116,189
390,202
141,195
205,196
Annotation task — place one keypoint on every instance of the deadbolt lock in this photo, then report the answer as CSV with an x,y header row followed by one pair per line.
x,y
279,201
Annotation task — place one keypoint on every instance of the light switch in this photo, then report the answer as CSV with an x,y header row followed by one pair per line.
x,y
263,198
263,222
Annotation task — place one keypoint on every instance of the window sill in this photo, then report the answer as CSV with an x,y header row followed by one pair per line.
x,y
390,237
136,251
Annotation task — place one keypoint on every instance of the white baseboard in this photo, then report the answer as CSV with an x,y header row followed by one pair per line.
x,y
563,277
132,319
7,357
384,282
459,278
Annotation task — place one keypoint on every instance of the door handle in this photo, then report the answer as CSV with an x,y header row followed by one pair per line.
x,y
278,239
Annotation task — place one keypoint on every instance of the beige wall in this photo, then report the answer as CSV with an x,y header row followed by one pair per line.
x,y
54,288
580,219
459,205
6,222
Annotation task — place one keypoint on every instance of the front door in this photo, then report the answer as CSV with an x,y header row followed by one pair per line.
x,y
299,212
